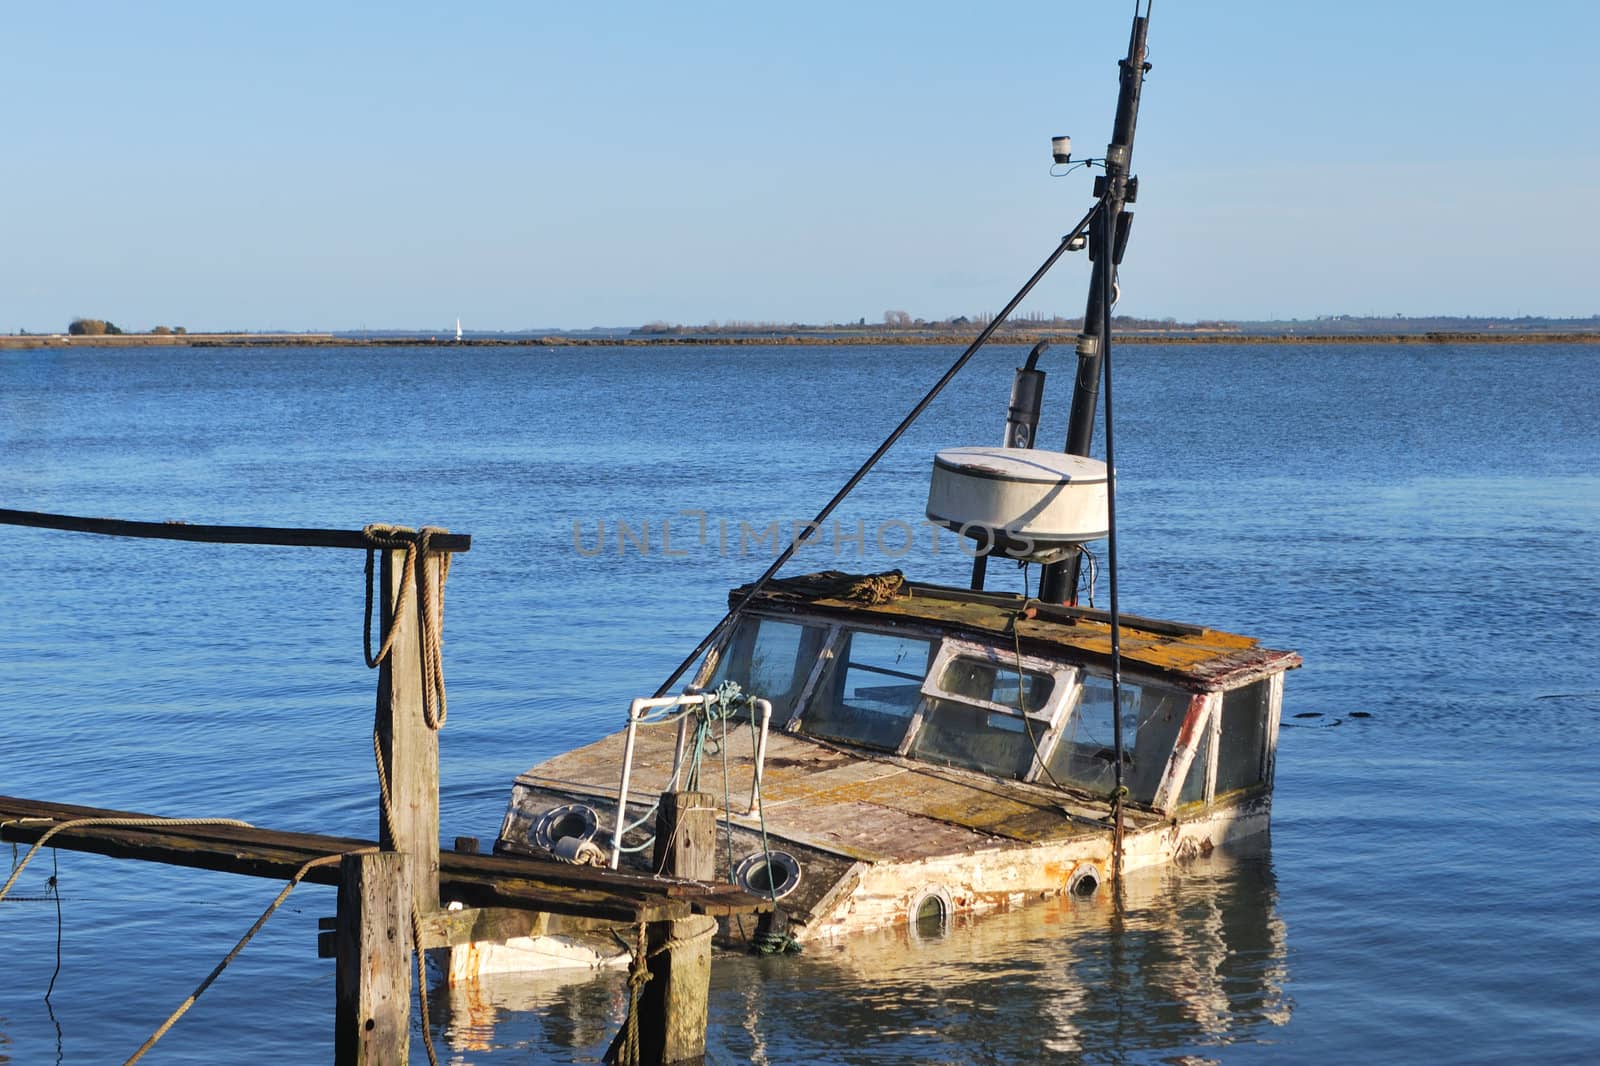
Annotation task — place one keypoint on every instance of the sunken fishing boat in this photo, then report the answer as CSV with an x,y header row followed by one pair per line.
x,y
882,750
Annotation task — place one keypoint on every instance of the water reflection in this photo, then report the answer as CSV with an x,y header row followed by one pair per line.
x,y
1193,959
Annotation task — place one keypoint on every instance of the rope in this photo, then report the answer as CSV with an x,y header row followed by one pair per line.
x,y
430,610
1022,702
870,589
422,985
78,823
626,1051
435,706
183,1007
705,932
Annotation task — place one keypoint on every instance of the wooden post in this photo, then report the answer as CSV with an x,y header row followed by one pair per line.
x,y
672,1021
372,1015
686,835
410,749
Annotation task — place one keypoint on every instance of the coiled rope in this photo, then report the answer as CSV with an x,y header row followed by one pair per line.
x,y
430,610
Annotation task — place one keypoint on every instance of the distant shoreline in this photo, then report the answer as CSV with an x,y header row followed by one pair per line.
x,y
898,337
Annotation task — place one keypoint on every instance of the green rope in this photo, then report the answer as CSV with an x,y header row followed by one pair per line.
x,y
711,738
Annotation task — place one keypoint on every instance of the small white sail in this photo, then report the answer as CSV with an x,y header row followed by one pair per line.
x,y
458,331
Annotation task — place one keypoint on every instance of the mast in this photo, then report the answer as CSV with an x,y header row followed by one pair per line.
x,y
1108,239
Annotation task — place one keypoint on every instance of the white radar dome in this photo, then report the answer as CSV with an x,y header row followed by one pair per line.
x,y
1024,502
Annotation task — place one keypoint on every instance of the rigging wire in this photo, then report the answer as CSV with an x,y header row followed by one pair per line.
x,y
855,479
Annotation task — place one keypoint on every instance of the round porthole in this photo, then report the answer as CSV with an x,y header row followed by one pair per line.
x,y
1085,879
577,820
929,917
773,874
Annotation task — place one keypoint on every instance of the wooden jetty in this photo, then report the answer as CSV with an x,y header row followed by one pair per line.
x,y
402,893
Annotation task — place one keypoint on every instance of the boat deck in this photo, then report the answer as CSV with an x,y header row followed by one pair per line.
x,y
872,808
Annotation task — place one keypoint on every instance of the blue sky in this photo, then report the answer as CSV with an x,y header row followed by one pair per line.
x,y
293,166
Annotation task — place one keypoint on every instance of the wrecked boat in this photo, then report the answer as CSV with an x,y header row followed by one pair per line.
x,y
882,750
931,750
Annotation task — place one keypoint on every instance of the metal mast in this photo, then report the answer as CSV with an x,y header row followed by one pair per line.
x,y
1108,239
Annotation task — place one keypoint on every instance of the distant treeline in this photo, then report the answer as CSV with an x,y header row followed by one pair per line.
x,y
902,321
99,327
899,322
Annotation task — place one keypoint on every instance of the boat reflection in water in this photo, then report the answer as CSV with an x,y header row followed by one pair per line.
x,y
1194,958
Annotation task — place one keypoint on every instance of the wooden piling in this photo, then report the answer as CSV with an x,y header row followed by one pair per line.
x,y
686,835
410,749
372,1015
672,1016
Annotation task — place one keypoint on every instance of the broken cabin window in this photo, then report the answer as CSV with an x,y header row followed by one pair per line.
x,y
983,727
1085,756
771,659
870,690
1242,745
1194,784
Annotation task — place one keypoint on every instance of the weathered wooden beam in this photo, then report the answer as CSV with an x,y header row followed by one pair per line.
x,y
475,925
264,535
475,880
372,1012
706,897
409,748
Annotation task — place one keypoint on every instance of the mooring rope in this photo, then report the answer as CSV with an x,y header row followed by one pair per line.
x,y
161,1031
435,705
626,1049
160,823
79,823
430,610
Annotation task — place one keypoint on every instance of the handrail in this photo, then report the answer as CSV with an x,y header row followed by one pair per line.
x,y
265,535
636,712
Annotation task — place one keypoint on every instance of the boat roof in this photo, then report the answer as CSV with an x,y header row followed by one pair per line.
x,y
1189,656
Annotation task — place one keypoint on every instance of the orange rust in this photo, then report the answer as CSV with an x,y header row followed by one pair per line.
x,y
1197,707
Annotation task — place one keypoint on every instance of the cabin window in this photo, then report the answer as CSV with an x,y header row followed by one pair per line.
x,y
870,690
984,727
1194,785
770,658
1243,740
1085,757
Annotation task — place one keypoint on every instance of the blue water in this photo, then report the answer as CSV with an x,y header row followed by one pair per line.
x,y
1423,523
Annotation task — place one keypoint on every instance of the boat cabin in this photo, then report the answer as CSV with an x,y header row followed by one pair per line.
x,y
906,750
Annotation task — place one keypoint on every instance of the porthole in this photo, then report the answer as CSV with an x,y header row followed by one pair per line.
x,y
929,917
1085,880
773,874
576,820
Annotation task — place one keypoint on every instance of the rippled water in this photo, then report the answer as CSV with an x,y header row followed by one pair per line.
x,y
1423,523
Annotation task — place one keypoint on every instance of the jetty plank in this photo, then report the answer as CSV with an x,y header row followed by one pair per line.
x,y
474,880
